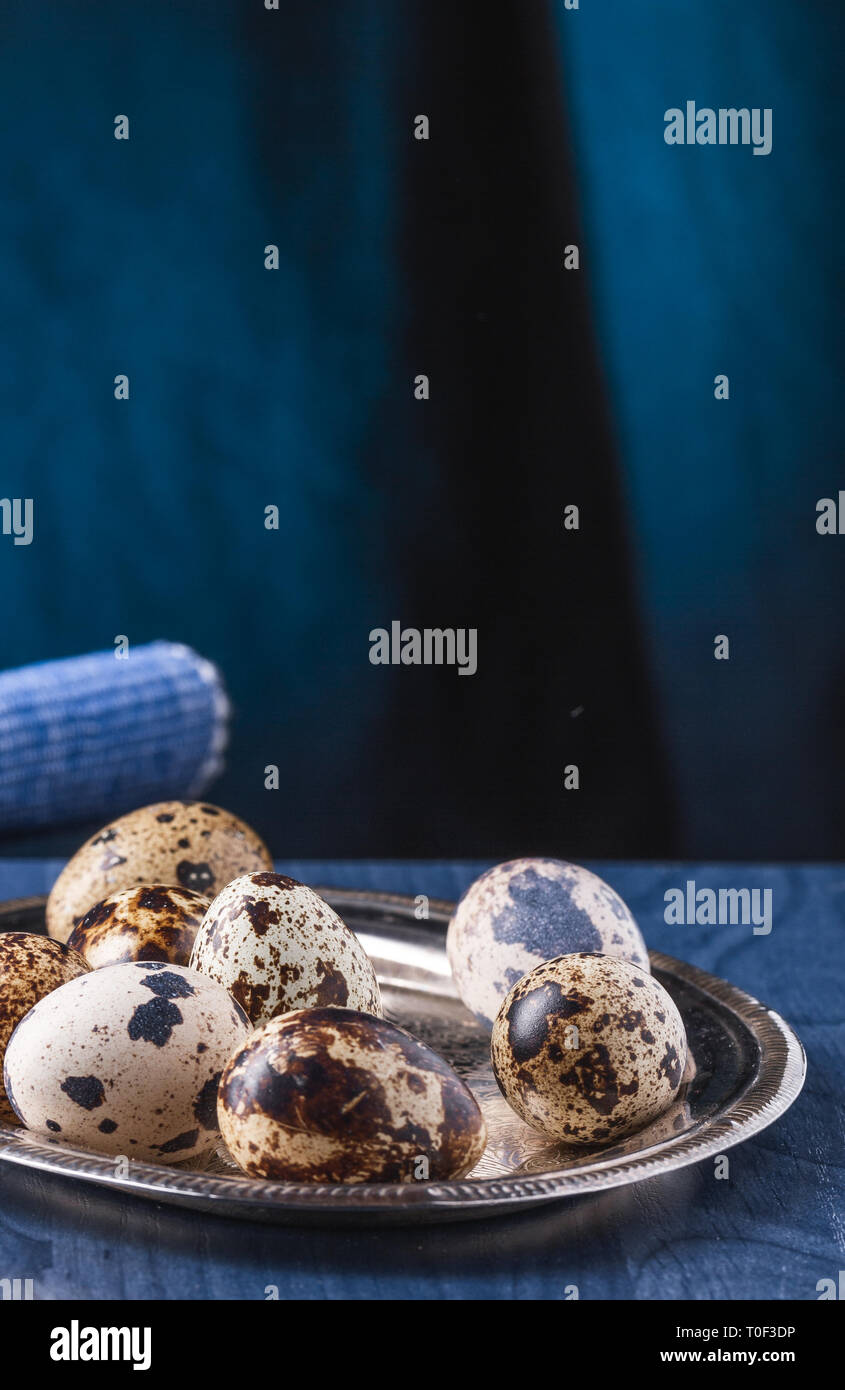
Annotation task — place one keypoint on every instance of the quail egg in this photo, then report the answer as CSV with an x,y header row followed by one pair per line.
x,y
588,1048
30,967
153,922
335,1096
188,844
126,1060
521,913
277,945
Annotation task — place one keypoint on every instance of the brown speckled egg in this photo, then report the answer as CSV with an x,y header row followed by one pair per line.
x,y
588,1048
331,1095
126,1060
277,945
30,967
519,914
189,844
154,922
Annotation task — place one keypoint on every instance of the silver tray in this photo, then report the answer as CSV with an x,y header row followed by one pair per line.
x,y
748,1068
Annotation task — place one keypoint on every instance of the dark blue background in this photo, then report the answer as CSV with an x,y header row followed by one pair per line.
x,y
295,388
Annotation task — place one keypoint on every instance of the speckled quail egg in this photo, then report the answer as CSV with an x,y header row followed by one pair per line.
x,y
30,967
189,844
519,914
154,922
332,1095
277,945
587,1048
127,1060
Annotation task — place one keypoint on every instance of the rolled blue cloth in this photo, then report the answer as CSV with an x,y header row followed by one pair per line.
x,y
92,736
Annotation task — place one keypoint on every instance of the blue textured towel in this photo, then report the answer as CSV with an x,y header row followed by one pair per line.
x,y
95,735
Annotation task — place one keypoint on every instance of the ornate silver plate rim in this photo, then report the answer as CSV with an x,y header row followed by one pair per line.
x,y
778,1081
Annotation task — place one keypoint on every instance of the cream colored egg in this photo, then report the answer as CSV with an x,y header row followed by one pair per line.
x,y
333,1095
126,1060
277,945
588,1048
188,844
31,966
521,913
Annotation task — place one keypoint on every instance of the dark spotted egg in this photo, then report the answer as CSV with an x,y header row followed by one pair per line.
x,y
521,913
588,1048
188,844
335,1096
277,945
127,1060
30,967
153,922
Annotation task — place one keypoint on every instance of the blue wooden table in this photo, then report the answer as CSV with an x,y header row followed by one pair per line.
x,y
774,1230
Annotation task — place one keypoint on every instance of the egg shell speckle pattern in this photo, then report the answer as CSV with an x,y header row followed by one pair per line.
x,y
524,912
332,1095
277,945
189,844
126,1060
154,922
588,1048
30,967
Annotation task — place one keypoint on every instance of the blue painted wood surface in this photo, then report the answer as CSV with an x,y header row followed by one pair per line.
x,y
774,1230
